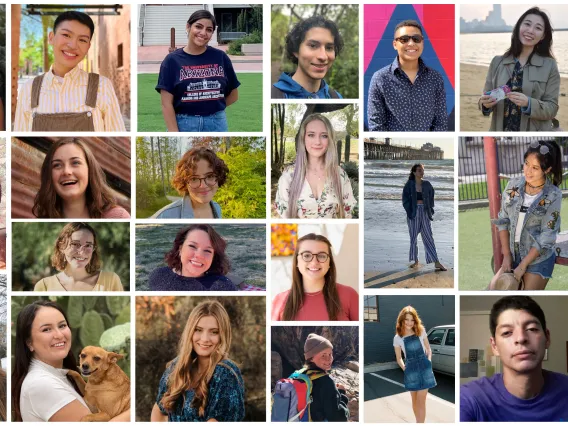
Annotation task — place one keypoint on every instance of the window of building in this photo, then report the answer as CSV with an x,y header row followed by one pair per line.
x,y
119,55
371,309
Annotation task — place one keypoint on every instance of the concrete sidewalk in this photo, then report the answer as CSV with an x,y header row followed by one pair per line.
x,y
150,58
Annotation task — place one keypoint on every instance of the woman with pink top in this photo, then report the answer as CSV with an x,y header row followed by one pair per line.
x,y
315,295
73,185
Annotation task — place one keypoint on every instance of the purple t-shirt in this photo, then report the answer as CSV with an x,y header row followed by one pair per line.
x,y
487,400
199,83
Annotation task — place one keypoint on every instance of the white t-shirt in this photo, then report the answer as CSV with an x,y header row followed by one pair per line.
x,y
527,202
398,341
45,391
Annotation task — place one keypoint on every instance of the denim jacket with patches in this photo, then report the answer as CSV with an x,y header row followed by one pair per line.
x,y
409,200
542,220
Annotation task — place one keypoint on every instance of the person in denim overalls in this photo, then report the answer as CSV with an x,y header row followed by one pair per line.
x,y
411,339
529,220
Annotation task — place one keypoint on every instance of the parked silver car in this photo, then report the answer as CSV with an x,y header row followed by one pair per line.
x,y
442,340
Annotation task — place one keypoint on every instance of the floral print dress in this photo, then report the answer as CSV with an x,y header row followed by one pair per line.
x,y
310,207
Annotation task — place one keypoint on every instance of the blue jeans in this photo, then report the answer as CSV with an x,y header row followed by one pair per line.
x,y
203,123
544,268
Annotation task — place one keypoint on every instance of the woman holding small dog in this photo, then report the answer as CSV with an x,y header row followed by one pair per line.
x,y
529,220
42,390
74,185
76,258
202,384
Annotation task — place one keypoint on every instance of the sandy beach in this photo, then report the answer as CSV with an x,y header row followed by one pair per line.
x,y
472,80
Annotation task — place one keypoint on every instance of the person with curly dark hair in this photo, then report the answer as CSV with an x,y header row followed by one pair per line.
x,y
312,45
196,262
198,176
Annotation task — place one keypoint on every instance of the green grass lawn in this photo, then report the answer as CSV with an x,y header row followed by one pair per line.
x,y
475,251
245,115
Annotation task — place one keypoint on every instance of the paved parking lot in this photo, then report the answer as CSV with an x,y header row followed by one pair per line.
x,y
386,400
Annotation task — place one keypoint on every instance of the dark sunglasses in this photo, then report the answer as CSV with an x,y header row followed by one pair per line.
x,y
405,38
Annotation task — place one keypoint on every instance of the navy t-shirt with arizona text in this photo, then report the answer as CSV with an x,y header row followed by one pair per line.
x,y
199,83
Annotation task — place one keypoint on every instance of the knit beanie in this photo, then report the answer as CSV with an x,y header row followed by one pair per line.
x,y
315,344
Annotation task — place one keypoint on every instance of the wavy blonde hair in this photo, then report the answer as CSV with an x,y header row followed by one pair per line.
x,y
184,372
331,166
418,327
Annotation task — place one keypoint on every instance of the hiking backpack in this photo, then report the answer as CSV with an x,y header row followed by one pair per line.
x,y
292,396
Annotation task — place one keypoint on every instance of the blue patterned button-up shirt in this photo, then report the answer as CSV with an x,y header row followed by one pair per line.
x,y
397,105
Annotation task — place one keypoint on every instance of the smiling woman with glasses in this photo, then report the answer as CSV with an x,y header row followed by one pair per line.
x,y
198,176
529,220
315,295
76,257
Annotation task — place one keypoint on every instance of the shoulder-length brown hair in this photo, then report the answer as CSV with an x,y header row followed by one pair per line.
x,y
295,298
186,166
418,327
221,264
58,260
185,372
98,195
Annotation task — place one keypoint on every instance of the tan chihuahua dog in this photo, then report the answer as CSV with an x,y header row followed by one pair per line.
x,y
108,388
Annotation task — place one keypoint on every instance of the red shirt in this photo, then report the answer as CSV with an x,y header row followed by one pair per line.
x,y
314,308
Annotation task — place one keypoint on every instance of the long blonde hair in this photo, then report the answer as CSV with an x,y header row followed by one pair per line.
x,y
184,372
331,167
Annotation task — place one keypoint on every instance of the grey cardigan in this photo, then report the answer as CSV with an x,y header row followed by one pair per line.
x,y
409,201
182,209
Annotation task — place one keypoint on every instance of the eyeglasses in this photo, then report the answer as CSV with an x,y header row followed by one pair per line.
x,y
195,182
543,148
320,257
416,38
87,248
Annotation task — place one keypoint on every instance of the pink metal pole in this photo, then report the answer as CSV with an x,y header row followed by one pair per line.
x,y
492,170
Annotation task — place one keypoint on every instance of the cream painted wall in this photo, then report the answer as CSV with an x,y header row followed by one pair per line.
x,y
344,240
475,328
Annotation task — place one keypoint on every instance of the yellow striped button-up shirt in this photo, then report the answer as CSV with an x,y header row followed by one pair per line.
x,y
69,96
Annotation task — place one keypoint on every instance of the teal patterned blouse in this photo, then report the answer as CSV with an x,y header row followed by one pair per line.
x,y
226,400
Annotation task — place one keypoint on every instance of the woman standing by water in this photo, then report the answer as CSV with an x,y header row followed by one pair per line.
x,y
411,339
418,201
529,220
529,70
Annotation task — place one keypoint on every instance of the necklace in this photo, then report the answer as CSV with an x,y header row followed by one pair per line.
x,y
536,187
316,174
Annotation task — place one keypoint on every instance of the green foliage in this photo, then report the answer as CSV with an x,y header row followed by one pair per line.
x,y
242,196
244,193
158,335
116,338
89,327
33,244
245,115
250,20
116,303
124,315
235,45
92,328
352,169
346,65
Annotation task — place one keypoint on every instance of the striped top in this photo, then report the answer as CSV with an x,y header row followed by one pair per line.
x,y
68,95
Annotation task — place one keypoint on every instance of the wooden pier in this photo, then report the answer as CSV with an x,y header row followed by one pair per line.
x,y
381,150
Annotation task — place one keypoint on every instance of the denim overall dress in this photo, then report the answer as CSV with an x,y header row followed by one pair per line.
x,y
418,373
65,121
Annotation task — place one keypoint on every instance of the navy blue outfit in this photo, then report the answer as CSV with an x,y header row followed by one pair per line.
x,y
396,104
293,90
199,83
418,373
226,398
164,279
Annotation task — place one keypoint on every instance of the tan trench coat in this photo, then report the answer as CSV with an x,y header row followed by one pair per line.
x,y
541,83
